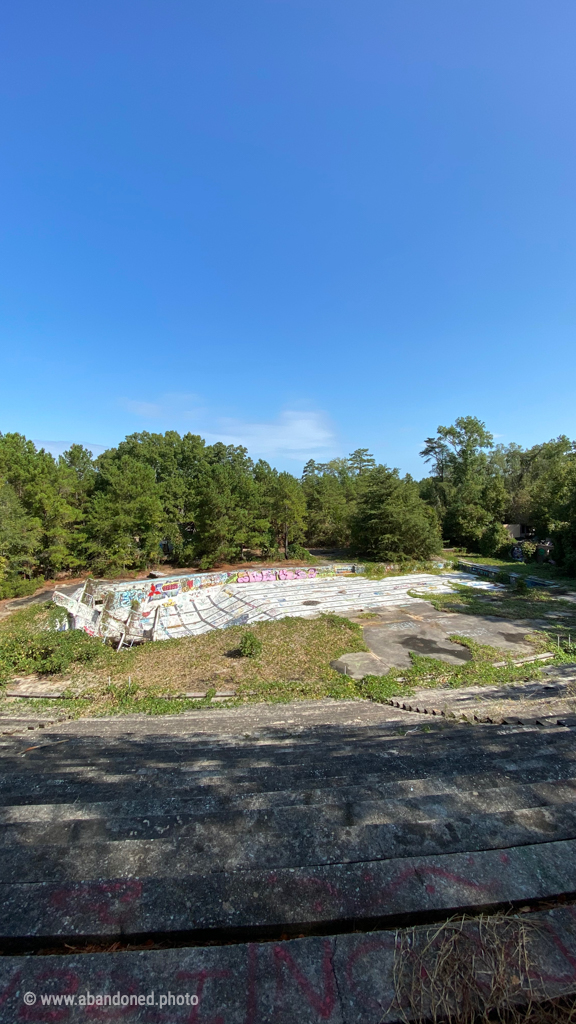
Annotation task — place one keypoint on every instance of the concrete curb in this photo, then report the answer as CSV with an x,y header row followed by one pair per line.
x,y
287,899
347,979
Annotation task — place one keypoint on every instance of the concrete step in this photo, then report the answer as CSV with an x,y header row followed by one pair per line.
x,y
411,761
162,847
292,899
431,796
525,754
411,801
341,979
321,809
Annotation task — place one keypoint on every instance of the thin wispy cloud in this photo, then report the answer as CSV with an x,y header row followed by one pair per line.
x,y
170,405
149,410
294,434
57,448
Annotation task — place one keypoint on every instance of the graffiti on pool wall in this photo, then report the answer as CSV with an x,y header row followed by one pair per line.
x,y
131,611
271,575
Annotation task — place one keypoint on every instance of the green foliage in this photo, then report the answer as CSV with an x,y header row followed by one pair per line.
x,y
340,622
19,536
467,491
495,540
166,498
330,502
250,646
125,517
529,549
285,505
391,522
477,486
382,688
27,647
343,688
17,586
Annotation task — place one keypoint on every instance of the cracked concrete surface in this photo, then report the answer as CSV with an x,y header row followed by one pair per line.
x,y
395,633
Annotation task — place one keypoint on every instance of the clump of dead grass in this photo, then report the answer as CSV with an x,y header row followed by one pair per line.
x,y
473,971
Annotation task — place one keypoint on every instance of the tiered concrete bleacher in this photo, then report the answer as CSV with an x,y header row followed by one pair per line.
x,y
230,833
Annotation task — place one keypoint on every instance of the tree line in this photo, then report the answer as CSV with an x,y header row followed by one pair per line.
x,y
163,497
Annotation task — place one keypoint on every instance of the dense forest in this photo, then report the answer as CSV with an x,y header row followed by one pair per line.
x,y
166,498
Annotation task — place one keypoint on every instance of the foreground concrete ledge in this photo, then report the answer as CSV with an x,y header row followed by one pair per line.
x,y
344,979
222,902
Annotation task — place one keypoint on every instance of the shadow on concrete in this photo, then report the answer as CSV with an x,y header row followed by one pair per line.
x,y
179,802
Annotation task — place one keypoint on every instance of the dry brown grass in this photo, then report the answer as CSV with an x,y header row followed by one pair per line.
x,y
472,971
294,663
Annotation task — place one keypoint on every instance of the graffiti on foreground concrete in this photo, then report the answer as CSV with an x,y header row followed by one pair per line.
x,y
340,979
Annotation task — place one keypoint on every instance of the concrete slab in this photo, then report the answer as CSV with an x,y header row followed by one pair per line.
x,y
359,665
393,645
423,630
342,979
293,899
564,672
177,608
240,826
534,699
37,688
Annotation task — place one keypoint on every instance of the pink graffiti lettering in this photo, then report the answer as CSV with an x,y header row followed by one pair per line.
x,y
270,575
201,977
423,869
358,985
68,984
100,898
324,1003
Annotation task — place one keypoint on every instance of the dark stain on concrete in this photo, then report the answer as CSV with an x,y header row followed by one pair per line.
x,y
422,645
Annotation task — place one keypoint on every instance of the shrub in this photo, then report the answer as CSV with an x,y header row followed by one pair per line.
x,y
18,587
250,646
529,549
495,541
25,651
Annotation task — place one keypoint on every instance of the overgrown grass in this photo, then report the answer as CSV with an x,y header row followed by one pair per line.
x,y
430,673
294,663
380,571
552,620
19,587
30,642
475,970
550,617
551,573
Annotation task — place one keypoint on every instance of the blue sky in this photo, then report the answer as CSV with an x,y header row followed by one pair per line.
x,y
301,225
